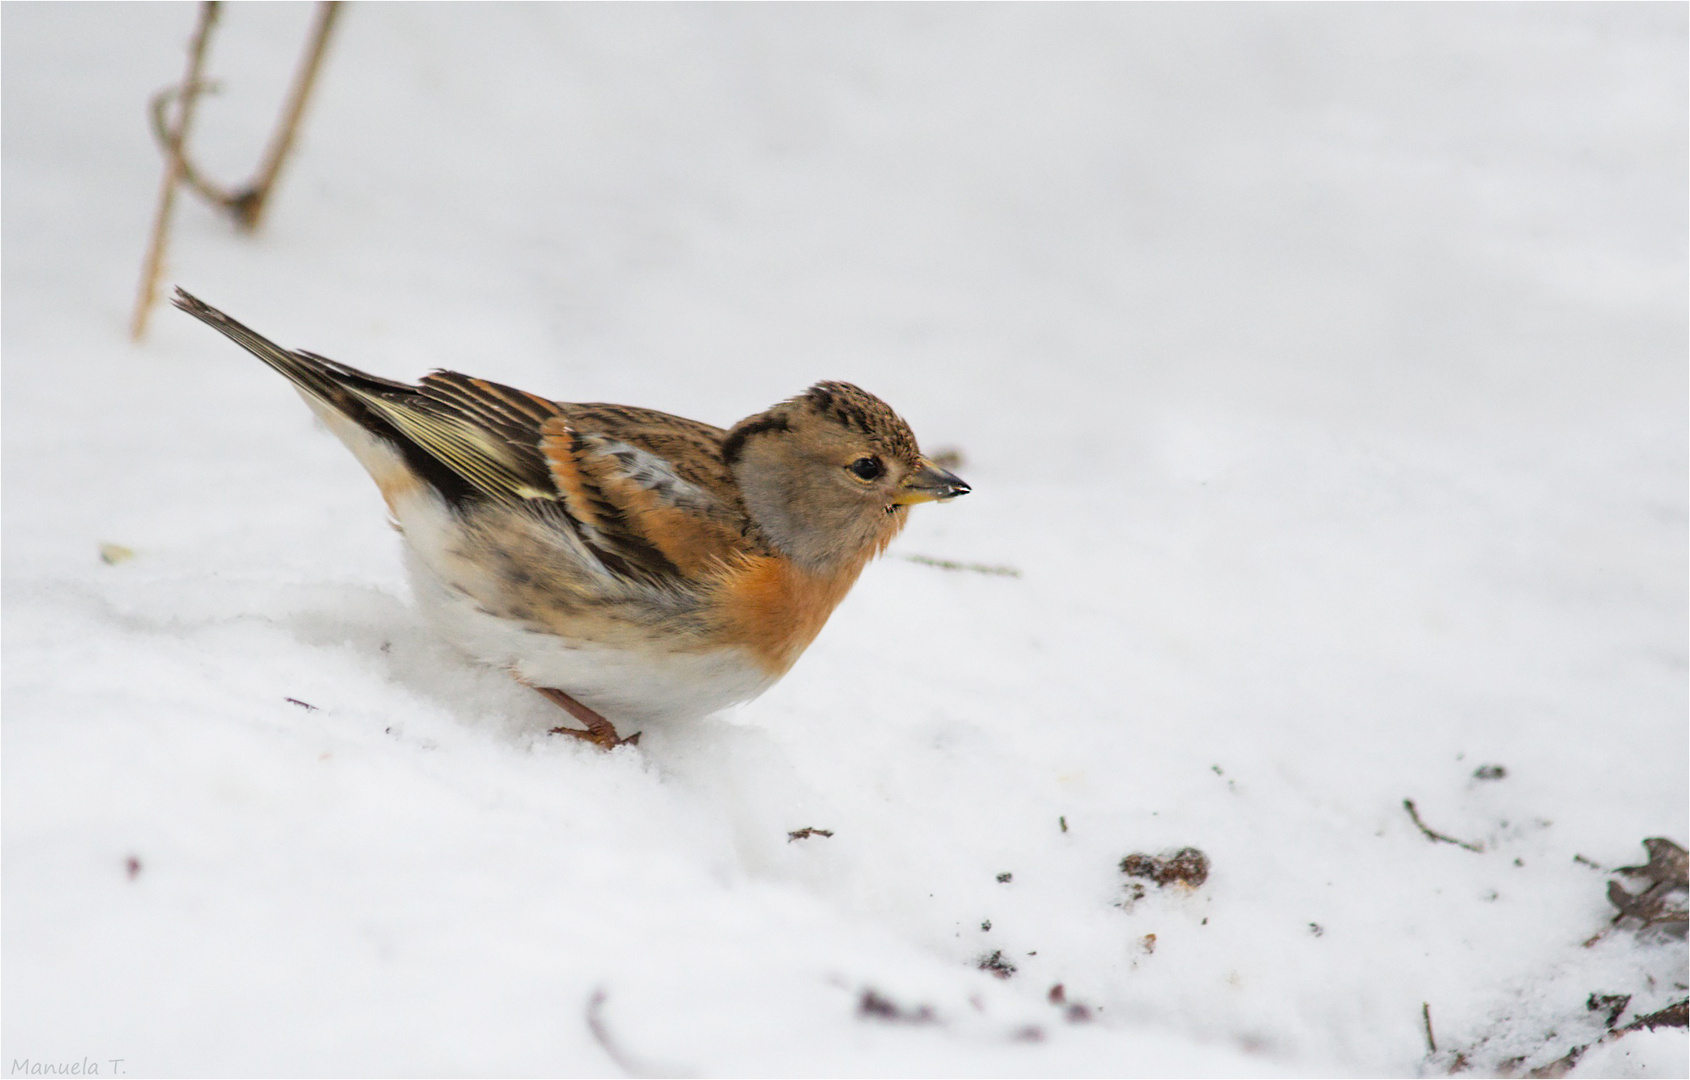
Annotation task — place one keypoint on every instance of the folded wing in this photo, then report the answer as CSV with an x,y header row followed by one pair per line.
x,y
646,492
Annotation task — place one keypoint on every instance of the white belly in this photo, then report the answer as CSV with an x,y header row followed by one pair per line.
x,y
622,684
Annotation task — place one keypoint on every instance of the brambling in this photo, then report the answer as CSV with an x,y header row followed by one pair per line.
x,y
621,561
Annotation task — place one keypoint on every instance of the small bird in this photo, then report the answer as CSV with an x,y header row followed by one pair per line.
x,y
621,561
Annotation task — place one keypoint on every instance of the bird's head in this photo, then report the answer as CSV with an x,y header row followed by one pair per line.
x,y
829,475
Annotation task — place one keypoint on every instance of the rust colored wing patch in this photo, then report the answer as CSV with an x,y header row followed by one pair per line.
x,y
638,506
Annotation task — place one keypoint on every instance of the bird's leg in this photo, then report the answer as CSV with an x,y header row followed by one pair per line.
x,y
600,732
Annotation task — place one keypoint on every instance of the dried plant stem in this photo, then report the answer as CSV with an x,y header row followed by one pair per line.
x,y
185,96
977,568
248,203
159,111
1433,834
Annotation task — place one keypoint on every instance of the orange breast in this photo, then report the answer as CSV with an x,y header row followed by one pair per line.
x,y
775,609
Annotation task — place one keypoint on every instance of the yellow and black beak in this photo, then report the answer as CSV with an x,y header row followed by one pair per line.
x,y
929,484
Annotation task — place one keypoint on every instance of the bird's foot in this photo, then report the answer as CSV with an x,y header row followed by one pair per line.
x,y
604,740
600,732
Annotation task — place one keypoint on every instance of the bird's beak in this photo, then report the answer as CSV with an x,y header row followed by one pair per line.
x,y
929,484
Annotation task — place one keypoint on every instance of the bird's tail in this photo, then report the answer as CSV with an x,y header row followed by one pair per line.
x,y
399,433
336,385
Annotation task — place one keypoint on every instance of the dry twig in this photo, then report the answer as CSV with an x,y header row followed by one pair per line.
x,y
1433,834
1673,1015
246,203
249,202
185,96
975,568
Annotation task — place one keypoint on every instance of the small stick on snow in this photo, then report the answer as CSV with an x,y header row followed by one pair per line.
x,y
185,97
1433,834
1426,1015
976,568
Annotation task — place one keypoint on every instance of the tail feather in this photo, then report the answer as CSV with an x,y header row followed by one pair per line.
x,y
370,403
320,377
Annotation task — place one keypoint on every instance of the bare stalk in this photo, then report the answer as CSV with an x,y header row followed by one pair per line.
x,y
185,97
1433,834
248,203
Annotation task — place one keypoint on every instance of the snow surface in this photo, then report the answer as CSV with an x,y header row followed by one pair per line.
x,y
1321,370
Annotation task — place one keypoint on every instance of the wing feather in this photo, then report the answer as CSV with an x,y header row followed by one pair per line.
x,y
646,513
647,493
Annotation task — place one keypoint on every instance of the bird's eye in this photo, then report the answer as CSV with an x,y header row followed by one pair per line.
x,y
867,468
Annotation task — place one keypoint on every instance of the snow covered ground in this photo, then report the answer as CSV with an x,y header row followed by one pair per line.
x,y
1320,370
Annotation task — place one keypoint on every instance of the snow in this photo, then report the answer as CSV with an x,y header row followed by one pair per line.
x,y
1320,370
